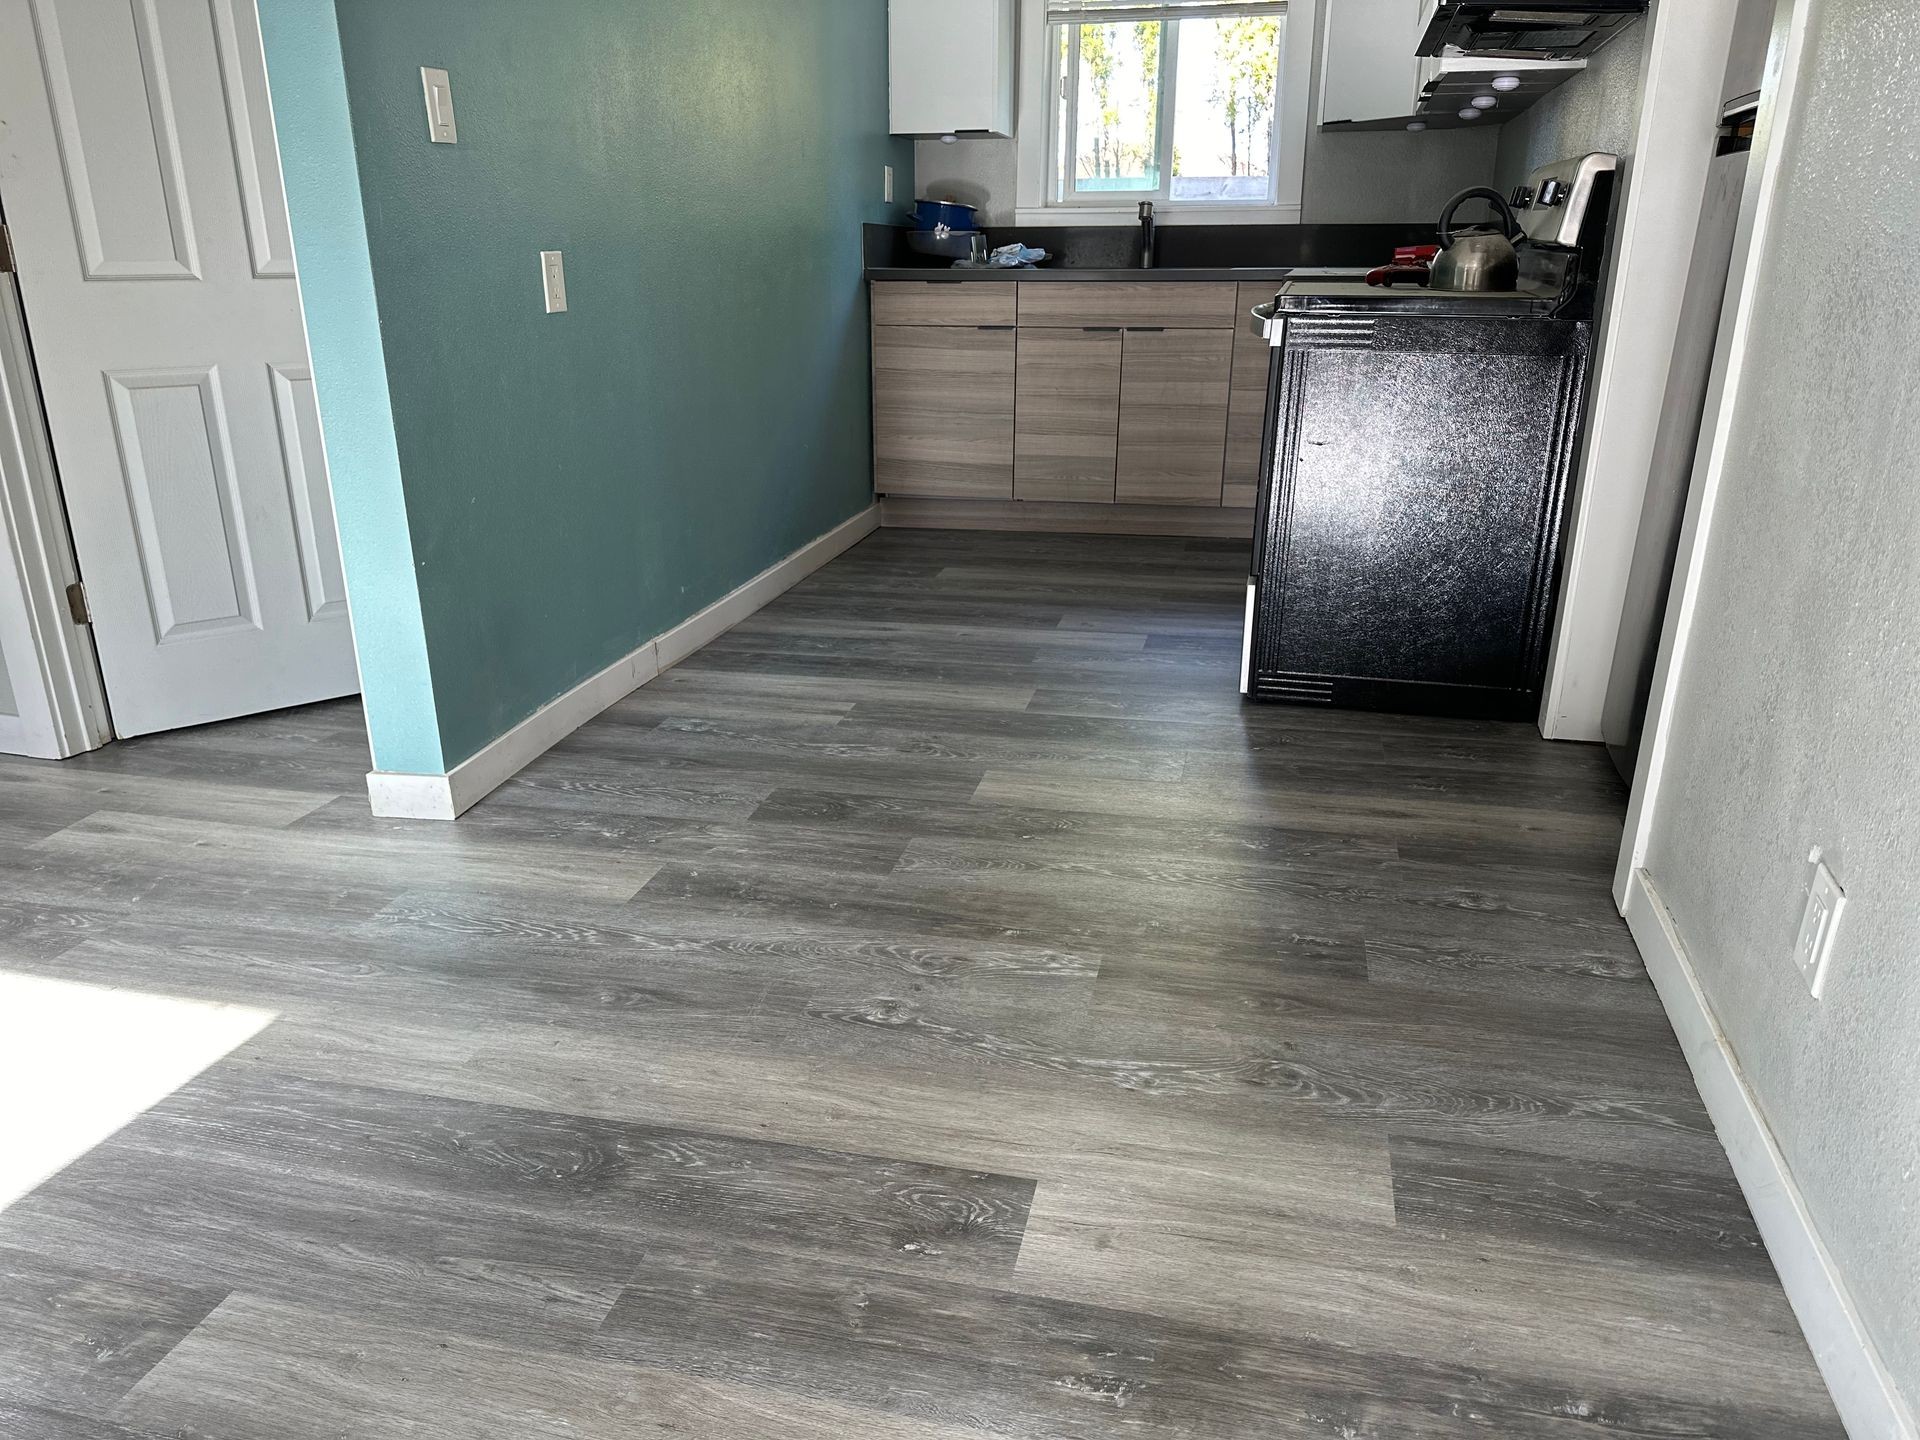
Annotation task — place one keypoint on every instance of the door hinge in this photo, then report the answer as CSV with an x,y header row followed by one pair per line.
x,y
6,250
77,604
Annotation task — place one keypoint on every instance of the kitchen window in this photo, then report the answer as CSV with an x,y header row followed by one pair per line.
x,y
1196,105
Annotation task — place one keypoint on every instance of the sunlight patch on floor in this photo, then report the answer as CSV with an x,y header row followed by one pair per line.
x,y
77,1062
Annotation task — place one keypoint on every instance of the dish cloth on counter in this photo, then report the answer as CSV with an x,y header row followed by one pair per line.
x,y
1007,257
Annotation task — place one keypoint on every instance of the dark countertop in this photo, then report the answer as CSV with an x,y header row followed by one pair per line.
x,y
1255,254
1252,275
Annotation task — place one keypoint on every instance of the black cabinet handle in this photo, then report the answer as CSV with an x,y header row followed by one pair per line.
x,y
1147,329
995,327
1101,329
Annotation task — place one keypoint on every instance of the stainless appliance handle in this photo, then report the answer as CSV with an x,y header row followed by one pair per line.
x,y
1271,325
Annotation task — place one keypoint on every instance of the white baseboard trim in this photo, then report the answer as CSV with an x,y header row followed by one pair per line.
x,y
1864,1391
449,796
411,797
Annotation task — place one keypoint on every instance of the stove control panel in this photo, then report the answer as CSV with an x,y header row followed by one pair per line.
x,y
1552,206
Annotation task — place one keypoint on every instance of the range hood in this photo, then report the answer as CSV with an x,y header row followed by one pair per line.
x,y
1531,30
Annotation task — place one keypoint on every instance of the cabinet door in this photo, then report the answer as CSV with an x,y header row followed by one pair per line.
x,y
1369,71
943,411
950,66
1412,542
1067,435
1173,416
1247,410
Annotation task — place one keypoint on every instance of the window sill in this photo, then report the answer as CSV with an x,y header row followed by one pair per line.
x,y
1067,215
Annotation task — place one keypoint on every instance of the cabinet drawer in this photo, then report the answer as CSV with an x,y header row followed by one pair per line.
x,y
1164,306
950,302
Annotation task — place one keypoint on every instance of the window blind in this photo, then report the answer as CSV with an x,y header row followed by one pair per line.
x,y
1125,12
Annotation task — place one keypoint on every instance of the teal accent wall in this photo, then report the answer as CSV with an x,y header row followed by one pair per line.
x,y
575,484
343,332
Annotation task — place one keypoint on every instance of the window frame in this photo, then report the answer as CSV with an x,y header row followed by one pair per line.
x,y
1043,193
1063,80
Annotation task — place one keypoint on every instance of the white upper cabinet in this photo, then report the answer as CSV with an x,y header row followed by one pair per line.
x,y
1369,71
951,66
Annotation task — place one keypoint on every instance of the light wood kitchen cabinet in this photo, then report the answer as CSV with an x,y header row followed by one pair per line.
x,y
943,410
1247,404
1174,392
1067,425
1061,393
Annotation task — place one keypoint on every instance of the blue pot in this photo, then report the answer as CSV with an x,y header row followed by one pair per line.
x,y
931,214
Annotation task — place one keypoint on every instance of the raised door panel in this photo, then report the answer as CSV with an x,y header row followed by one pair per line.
x,y
1067,432
298,412
1247,405
113,107
255,156
1174,392
1166,304
177,464
943,402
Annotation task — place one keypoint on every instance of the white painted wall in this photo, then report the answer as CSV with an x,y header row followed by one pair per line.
x,y
1795,712
1686,45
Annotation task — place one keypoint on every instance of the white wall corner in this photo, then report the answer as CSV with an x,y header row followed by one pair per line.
x,y
1864,1391
1656,225
449,796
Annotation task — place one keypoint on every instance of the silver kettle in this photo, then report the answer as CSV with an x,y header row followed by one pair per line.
x,y
1475,262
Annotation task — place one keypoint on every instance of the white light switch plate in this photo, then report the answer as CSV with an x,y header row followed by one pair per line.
x,y
1814,950
553,278
439,90
889,184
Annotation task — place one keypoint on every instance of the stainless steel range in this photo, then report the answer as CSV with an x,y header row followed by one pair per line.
x,y
1420,447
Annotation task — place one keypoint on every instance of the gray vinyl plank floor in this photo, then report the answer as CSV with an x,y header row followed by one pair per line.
x,y
938,1009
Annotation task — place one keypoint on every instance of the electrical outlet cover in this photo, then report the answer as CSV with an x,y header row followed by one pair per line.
x,y
1814,950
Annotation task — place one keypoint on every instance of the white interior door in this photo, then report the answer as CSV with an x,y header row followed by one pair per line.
x,y
142,186
51,705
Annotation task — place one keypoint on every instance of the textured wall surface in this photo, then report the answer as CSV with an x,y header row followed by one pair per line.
x,y
1599,109
577,483
1797,724
343,333
1392,175
981,173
